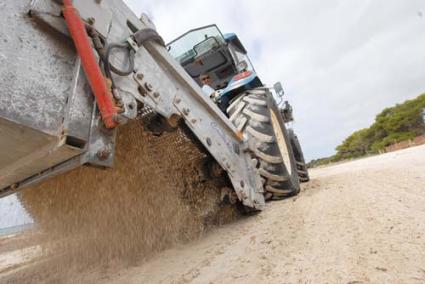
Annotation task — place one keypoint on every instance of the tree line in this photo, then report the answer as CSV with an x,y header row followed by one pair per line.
x,y
394,124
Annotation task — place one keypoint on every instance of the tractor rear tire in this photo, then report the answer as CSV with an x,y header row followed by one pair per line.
x,y
256,114
299,157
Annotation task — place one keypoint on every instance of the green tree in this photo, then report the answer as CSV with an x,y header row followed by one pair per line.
x,y
395,124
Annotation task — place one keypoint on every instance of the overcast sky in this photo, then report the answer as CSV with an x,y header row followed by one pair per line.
x,y
341,62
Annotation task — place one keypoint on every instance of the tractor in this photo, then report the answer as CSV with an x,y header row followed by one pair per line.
x,y
206,51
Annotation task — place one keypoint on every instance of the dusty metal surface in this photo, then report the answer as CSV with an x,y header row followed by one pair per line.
x,y
35,72
30,152
36,76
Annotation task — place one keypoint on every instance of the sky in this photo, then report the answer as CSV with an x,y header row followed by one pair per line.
x,y
341,62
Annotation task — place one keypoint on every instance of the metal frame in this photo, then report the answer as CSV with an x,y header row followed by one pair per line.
x,y
158,82
193,30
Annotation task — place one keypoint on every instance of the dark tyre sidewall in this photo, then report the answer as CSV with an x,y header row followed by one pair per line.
x,y
299,156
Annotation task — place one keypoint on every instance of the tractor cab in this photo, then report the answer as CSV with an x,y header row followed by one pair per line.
x,y
206,50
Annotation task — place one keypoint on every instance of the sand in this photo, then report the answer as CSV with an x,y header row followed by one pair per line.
x,y
155,197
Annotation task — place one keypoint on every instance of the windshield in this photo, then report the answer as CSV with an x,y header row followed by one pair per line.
x,y
241,58
195,43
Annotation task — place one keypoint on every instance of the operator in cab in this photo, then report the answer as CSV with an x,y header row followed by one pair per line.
x,y
222,102
206,85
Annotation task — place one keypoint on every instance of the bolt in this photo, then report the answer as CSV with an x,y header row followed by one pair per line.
x,y
209,142
193,121
148,87
14,186
103,154
242,184
178,100
186,111
141,91
91,21
140,76
156,95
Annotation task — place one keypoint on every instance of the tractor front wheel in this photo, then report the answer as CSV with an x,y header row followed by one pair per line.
x,y
255,113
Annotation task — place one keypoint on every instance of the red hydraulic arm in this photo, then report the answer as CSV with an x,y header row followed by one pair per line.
x,y
94,75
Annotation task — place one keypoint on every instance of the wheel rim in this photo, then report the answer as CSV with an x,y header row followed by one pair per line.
x,y
283,149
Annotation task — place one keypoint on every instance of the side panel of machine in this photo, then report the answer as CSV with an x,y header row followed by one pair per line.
x,y
35,73
45,113
30,152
